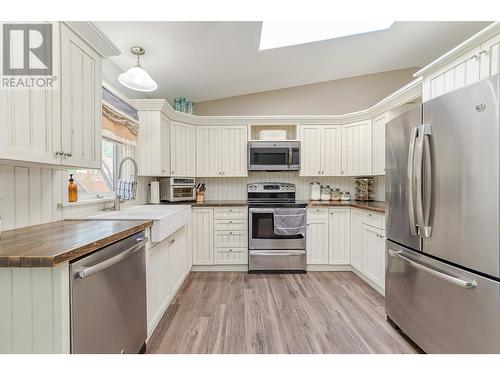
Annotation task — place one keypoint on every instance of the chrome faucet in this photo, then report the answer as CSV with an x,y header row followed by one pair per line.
x,y
118,200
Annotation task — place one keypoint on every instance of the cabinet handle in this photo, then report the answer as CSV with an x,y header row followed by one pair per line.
x,y
230,249
172,172
370,214
474,56
172,241
67,154
230,233
59,153
482,52
230,221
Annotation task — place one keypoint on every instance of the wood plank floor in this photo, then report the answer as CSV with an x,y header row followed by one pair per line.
x,y
236,312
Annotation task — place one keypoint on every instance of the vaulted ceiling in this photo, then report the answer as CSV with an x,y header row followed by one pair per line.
x,y
210,60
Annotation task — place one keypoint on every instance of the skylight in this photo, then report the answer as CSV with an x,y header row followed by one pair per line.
x,y
283,34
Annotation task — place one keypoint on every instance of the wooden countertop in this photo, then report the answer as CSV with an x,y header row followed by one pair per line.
x,y
48,245
375,206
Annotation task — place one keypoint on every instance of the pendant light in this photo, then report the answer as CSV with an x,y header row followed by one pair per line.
x,y
136,78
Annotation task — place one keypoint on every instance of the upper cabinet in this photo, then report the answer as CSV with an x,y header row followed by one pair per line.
x,y
60,125
320,150
80,102
475,59
357,148
378,158
153,144
182,146
221,151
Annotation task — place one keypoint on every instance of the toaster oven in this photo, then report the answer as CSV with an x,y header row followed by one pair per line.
x,y
177,189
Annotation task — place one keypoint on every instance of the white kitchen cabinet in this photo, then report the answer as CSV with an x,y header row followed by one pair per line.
x,y
374,254
339,236
232,255
234,151
80,102
489,61
203,236
166,268
378,130
208,151
357,148
221,151
182,145
60,126
321,147
317,237
475,59
153,140
356,239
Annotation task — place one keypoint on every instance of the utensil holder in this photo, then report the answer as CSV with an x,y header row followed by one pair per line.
x,y
200,196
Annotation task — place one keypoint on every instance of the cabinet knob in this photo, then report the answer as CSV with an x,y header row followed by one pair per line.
x,y
230,232
230,249
230,221
172,172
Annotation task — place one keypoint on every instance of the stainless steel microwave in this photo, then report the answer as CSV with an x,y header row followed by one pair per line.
x,y
274,156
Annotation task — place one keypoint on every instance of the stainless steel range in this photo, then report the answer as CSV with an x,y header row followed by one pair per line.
x,y
276,228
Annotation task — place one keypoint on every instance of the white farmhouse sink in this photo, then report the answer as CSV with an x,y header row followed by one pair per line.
x,y
166,218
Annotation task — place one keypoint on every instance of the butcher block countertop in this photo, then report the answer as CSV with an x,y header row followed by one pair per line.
x,y
48,245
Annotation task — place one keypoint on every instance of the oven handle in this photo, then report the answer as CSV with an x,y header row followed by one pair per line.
x,y
270,210
278,252
89,271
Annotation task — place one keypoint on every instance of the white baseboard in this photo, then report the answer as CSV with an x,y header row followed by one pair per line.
x,y
328,267
368,281
220,268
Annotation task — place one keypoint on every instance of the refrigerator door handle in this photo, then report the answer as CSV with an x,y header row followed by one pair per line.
x,y
467,284
411,204
424,131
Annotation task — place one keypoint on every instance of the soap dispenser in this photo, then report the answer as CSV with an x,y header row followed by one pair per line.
x,y
72,189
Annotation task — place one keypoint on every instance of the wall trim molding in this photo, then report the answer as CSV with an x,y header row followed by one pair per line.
x,y
409,92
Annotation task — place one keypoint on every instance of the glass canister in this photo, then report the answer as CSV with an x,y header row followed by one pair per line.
x,y
315,191
325,192
189,108
345,196
335,194
365,187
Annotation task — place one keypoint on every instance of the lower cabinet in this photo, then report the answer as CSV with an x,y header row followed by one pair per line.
x,y
374,255
167,265
220,236
328,232
357,239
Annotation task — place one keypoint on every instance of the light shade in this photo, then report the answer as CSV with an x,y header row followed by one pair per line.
x,y
283,34
136,78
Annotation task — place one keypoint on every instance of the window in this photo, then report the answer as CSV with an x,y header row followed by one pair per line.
x,y
100,183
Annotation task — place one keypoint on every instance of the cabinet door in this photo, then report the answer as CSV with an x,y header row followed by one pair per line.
x,y
459,73
179,259
373,254
182,150
379,143
164,143
310,150
234,151
489,55
80,102
150,147
317,241
331,150
158,286
203,236
339,236
208,151
356,243
30,125
357,148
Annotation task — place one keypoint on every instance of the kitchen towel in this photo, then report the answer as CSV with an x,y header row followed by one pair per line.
x,y
126,189
289,221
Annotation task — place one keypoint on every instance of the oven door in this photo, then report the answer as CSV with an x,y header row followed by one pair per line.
x,y
261,234
269,156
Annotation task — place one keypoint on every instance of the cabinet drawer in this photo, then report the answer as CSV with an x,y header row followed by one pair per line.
x,y
235,238
229,255
375,220
317,213
232,224
231,213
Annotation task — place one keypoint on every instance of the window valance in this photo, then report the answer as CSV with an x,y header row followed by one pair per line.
x,y
120,121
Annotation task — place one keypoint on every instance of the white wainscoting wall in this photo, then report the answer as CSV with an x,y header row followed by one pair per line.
x,y
232,188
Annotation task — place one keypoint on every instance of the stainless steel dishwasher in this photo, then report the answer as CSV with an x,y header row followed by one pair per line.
x,y
108,298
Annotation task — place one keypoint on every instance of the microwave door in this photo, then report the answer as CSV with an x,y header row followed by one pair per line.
x,y
264,158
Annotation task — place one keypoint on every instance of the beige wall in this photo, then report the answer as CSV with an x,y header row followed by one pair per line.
x,y
324,98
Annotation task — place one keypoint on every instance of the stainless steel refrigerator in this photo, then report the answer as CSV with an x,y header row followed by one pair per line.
x,y
442,250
